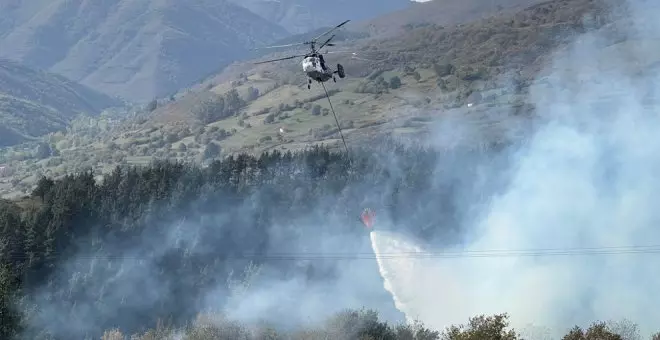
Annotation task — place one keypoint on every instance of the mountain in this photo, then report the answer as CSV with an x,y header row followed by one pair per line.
x,y
135,49
34,103
299,16
440,12
395,85
435,67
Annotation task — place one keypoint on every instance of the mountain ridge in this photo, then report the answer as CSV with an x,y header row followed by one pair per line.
x,y
35,102
300,16
135,49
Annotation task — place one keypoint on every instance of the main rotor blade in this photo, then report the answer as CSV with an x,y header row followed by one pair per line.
x,y
334,52
286,58
330,30
358,56
278,46
326,42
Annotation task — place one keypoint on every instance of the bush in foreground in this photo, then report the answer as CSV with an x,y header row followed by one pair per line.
x,y
364,325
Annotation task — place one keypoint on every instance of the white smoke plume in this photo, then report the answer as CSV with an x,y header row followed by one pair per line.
x,y
588,177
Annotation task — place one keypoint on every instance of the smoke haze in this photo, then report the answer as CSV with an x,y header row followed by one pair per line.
x,y
588,177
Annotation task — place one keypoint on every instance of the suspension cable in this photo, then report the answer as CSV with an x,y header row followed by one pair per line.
x,y
336,120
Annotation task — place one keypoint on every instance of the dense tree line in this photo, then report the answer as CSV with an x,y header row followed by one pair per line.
x,y
73,215
195,227
220,106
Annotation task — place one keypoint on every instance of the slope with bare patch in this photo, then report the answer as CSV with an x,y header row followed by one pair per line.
x,y
134,49
33,103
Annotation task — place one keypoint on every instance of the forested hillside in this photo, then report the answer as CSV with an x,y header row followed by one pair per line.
x,y
34,103
161,242
71,248
512,180
398,85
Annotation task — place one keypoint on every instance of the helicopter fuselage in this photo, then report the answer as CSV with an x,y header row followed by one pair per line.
x,y
314,69
313,64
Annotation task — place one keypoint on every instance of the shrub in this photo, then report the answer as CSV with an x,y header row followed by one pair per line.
x,y
395,82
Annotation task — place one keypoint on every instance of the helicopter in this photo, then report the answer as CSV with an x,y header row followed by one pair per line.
x,y
313,63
